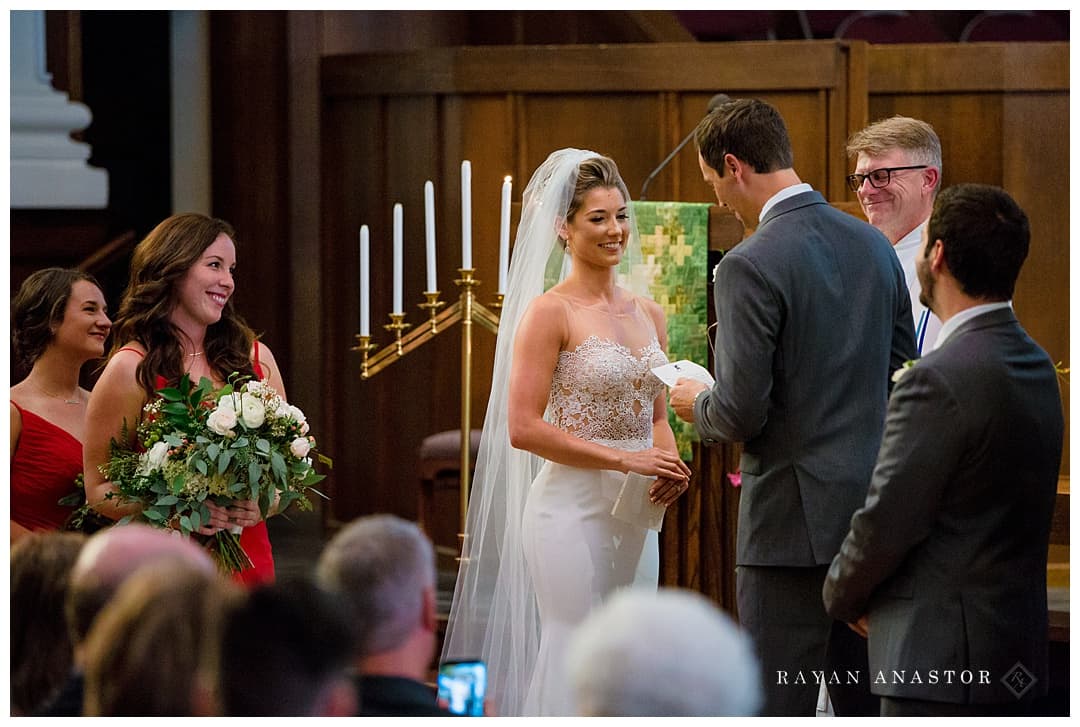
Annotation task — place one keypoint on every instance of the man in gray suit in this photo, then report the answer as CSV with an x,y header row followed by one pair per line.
x,y
813,316
945,564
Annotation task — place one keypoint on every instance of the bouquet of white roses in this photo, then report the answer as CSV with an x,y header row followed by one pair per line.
x,y
243,442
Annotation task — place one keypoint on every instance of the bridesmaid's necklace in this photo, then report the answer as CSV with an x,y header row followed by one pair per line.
x,y
65,399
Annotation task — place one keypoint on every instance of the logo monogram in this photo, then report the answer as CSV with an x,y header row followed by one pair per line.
x,y
1018,680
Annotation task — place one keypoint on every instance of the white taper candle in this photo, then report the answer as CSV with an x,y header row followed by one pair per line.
x,y
466,214
429,234
398,262
504,234
365,284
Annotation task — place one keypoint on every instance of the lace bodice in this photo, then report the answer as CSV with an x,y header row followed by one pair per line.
x,y
603,391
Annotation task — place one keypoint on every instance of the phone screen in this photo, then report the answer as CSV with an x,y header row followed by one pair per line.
x,y
462,685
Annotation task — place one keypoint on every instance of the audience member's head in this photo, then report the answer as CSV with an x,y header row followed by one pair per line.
x,y
384,568
671,653
144,651
897,173
285,652
109,557
41,565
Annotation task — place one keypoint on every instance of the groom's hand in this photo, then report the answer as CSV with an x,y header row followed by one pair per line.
x,y
682,397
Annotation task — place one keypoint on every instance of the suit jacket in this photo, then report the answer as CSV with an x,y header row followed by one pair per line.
x,y
386,696
948,555
813,315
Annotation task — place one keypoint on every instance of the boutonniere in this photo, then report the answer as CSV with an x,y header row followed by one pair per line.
x,y
904,368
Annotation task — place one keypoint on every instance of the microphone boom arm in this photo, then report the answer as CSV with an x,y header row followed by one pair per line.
x,y
668,158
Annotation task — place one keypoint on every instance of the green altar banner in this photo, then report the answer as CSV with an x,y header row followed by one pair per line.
x,y
675,250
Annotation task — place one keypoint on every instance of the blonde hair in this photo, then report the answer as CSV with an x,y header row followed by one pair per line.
x,y
914,136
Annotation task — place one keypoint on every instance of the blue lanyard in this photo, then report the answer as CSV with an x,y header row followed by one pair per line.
x,y
920,330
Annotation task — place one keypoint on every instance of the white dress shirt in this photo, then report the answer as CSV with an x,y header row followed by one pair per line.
x,y
927,325
963,317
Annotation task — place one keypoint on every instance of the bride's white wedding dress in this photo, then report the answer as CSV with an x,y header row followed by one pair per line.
x,y
577,553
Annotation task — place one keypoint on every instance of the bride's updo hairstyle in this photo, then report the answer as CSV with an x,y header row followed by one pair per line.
x,y
597,172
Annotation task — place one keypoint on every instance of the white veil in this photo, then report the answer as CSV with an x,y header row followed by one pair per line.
x,y
494,615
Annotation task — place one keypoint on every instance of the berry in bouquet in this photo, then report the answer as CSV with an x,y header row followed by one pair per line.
x,y
195,444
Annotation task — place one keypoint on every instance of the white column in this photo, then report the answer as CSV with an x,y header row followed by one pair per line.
x,y
48,167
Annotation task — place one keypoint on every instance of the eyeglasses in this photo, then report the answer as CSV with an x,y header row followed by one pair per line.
x,y
879,178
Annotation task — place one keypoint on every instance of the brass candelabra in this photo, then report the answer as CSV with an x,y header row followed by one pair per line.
x,y
467,310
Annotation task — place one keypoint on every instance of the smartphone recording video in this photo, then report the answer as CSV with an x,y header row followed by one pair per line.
x,y
462,685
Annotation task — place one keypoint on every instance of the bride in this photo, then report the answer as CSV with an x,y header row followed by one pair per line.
x,y
573,407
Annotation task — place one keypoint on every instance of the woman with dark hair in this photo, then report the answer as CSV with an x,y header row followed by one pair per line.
x,y
176,317
58,323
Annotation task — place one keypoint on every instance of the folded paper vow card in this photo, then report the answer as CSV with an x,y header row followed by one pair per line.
x,y
634,506
672,372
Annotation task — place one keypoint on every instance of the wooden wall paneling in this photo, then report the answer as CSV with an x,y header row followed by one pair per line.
x,y
611,124
685,67
63,50
352,134
1002,113
305,42
1036,143
851,105
250,170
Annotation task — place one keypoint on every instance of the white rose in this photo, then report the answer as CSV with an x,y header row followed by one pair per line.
x,y
222,420
154,458
252,411
300,447
300,418
229,401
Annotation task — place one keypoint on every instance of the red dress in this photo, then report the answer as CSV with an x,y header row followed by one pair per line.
x,y
254,540
47,460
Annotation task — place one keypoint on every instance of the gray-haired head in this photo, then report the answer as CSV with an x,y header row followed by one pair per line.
x,y
668,653
381,565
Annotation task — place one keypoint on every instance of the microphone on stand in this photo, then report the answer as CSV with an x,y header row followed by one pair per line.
x,y
716,101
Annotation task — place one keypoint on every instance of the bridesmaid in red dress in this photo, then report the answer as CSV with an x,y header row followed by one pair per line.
x,y
177,317
58,323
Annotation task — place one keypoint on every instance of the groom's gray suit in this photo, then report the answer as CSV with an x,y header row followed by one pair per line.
x,y
948,555
813,316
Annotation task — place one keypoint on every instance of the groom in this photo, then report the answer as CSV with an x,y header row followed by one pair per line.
x,y
945,564
813,316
